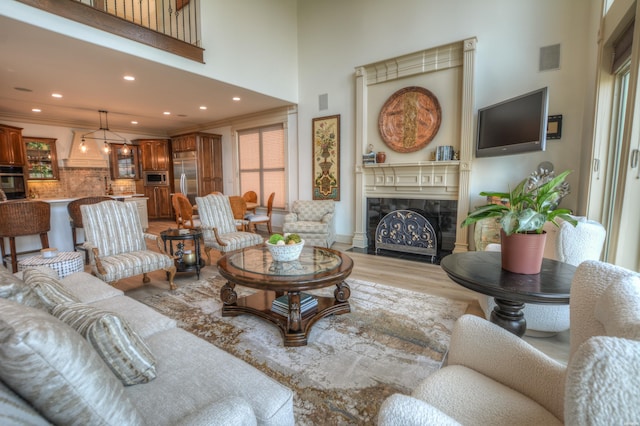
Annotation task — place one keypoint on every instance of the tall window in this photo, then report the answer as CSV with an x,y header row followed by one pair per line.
x,y
261,159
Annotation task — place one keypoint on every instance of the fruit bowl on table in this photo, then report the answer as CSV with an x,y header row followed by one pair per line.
x,y
285,252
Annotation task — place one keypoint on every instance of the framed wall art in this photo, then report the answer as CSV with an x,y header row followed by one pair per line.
x,y
326,158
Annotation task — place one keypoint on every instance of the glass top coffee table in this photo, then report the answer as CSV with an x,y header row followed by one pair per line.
x,y
316,268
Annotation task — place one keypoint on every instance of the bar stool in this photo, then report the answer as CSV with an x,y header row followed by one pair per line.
x,y
75,219
21,218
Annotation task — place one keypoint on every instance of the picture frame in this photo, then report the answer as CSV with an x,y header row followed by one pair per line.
x,y
325,136
554,127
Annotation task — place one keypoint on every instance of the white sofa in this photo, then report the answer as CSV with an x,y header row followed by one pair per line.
x,y
49,373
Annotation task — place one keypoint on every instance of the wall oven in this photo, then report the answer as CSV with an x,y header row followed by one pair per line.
x,y
156,178
12,182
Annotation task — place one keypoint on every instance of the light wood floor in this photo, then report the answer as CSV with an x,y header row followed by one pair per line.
x,y
407,274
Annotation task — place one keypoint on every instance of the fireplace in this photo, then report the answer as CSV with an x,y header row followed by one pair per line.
x,y
425,228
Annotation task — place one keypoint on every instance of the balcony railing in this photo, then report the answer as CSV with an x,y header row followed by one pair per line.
x,y
171,25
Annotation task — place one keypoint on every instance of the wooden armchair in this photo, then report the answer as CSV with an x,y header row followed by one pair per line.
x,y
219,229
184,212
118,247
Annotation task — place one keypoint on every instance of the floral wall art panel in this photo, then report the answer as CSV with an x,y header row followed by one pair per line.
x,y
326,158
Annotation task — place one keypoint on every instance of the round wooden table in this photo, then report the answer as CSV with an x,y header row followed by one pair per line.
x,y
481,271
182,235
317,267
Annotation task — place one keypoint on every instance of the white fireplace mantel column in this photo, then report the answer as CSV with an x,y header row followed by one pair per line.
x,y
422,180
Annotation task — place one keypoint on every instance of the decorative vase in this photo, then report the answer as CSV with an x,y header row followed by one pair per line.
x,y
522,253
381,157
189,258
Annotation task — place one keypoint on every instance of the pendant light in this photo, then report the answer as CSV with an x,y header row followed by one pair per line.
x,y
103,133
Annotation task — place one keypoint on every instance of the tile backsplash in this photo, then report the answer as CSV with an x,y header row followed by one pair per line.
x,y
80,182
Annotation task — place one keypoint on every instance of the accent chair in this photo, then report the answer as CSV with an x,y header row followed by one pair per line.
x,y
185,217
117,244
257,219
219,229
20,218
313,220
494,377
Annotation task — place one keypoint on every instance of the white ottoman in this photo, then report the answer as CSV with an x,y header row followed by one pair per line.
x,y
65,263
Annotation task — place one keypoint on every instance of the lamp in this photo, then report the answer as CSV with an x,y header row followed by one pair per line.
x,y
107,135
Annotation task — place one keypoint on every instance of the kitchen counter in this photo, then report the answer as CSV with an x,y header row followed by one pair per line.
x,y
60,232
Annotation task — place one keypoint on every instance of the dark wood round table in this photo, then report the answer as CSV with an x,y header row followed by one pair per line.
x,y
481,271
317,267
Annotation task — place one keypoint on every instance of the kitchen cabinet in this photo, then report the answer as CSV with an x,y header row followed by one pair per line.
x,y
42,162
159,202
124,161
141,205
208,148
12,149
154,154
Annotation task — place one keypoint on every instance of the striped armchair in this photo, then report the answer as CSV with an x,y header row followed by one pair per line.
x,y
117,245
219,228
313,220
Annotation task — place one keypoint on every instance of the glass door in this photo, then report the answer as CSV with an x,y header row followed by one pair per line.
x,y
42,162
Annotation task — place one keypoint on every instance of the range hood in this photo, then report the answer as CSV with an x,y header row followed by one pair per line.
x,y
94,157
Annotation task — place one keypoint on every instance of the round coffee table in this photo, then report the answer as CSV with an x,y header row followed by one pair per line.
x,y
316,268
482,271
64,263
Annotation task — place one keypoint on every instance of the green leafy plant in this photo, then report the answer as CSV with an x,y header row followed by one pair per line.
x,y
528,206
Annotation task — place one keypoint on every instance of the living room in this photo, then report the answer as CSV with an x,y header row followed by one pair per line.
x,y
302,51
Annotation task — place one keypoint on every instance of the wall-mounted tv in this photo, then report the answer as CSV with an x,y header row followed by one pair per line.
x,y
513,126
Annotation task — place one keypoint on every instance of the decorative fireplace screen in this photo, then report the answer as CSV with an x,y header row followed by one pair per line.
x,y
406,231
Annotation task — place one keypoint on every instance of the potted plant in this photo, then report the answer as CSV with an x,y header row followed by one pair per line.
x,y
521,214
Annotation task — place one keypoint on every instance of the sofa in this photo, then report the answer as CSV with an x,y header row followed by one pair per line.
x,y
313,220
78,351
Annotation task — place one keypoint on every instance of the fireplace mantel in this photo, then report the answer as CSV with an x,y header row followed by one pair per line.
x,y
447,180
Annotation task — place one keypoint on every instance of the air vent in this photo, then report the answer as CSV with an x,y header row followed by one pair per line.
x,y
550,57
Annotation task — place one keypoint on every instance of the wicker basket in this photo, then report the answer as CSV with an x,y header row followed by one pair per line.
x,y
286,252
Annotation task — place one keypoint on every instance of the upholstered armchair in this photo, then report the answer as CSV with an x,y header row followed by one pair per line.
x,y
219,228
493,377
313,220
568,244
117,245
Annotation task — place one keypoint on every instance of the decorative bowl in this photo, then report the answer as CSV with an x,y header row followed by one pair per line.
x,y
286,252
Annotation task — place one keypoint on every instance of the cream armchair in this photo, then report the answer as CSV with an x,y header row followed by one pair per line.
x,y
496,378
219,228
117,246
566,243
313,220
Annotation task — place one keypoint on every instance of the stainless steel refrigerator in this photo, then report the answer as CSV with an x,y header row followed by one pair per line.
x,y
185,174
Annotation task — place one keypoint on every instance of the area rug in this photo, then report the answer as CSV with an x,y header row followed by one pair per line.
x,y
391,340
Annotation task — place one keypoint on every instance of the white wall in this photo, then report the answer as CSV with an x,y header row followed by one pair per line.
x,y
335,36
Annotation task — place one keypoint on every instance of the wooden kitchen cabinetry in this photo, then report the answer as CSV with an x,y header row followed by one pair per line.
x,y
124,161
12,149
159,202
154,154
42,162
208,149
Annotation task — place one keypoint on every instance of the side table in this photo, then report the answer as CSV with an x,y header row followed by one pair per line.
x,y
64,263
182,235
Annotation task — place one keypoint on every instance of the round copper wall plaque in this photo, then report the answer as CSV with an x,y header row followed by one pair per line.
x,y
409,119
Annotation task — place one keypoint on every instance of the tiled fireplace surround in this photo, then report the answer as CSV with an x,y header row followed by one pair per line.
x,y
409,178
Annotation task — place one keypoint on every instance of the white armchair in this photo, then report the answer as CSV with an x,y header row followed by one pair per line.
x,y
494,377
565,243
219,227
313,220
117,245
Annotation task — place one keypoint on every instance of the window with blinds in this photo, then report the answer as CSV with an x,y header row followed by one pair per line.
x,y
261,163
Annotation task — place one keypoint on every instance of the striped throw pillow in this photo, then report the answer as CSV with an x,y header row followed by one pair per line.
x,y
116,342
44,285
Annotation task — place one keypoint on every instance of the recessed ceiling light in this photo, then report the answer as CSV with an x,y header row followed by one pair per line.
x,y
236,98
36,110
56,95
203,107
129,78
134,122
166,113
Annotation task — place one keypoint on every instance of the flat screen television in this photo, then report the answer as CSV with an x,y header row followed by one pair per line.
x,y
513,126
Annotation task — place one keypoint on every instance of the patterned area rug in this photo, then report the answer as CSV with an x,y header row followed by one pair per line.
x,y
391,340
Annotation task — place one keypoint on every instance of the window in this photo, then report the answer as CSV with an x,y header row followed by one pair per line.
x,y
261,163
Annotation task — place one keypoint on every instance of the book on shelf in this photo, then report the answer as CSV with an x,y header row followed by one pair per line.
x,y
281,304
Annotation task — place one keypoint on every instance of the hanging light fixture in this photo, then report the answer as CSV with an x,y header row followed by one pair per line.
x,y
104,134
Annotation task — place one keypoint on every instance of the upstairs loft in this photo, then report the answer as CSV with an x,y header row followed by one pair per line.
x,y
170,25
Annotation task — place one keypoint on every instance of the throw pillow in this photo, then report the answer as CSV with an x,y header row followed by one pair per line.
x,y
47,287
53,368
15,410
115,341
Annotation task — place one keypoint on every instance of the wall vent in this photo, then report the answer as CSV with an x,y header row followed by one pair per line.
x,y
550,57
